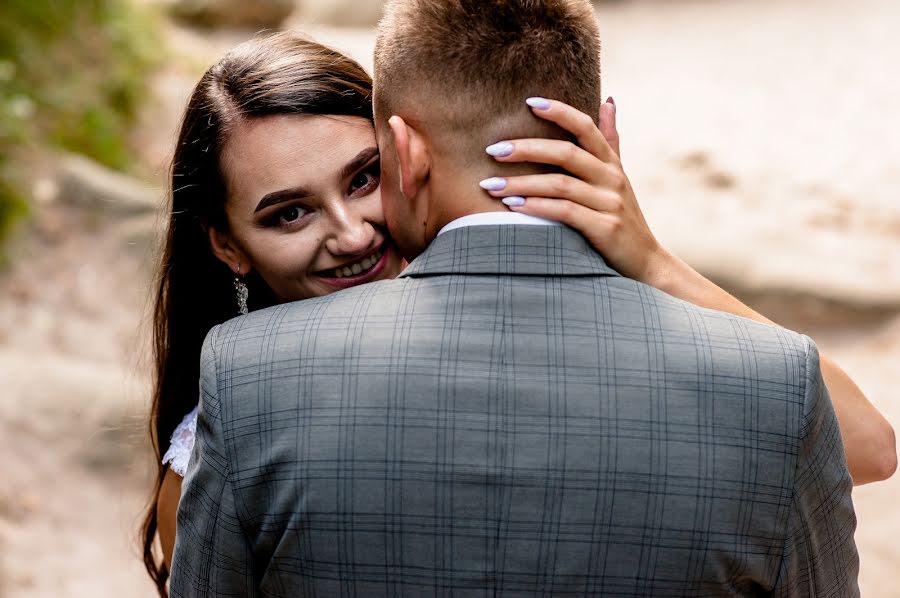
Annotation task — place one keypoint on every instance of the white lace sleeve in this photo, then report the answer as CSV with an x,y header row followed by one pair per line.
x,y
182,443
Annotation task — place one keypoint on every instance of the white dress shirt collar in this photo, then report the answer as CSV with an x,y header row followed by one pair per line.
x,y
497,218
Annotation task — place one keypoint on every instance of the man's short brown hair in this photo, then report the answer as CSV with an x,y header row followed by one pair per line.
x,y
468,65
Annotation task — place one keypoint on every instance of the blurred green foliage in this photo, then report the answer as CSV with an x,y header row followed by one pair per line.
x,y
72,75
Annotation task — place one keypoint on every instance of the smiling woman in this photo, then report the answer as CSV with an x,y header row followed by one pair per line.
x,y
303,206
275,180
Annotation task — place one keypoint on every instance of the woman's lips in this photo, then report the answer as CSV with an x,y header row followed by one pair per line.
x,y
363,277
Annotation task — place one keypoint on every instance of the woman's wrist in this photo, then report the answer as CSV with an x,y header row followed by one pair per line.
x,y
675,277
667,272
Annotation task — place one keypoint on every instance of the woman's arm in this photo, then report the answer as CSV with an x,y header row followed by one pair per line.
x,y
166,513
598,201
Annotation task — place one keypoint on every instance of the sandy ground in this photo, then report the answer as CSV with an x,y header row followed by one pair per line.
x,y
762,138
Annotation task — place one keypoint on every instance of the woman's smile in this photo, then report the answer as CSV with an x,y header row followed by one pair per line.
x,y
365,269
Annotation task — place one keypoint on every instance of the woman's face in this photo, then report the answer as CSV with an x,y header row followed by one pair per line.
x,y
304,207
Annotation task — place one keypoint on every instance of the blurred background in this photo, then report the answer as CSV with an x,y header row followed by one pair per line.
x,y
762,137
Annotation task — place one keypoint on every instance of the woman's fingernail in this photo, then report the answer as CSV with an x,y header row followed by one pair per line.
x,y
539,103
610,100
500,150
514,201
493,184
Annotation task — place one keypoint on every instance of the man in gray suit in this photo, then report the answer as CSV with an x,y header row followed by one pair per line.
x,y
510,416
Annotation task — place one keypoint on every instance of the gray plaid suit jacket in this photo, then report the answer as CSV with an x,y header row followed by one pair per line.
x,y
512,417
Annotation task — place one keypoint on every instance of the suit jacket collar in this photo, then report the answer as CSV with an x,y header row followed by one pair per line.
x,y
510,250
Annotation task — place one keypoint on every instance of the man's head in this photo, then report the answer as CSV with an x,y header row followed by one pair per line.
x,y
451,77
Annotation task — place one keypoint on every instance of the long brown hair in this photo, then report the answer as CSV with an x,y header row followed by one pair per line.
x,y
281,73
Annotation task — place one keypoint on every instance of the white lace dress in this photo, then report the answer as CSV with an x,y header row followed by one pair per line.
x,y
182,443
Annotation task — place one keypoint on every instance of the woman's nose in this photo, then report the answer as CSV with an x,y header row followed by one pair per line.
x,y
351,235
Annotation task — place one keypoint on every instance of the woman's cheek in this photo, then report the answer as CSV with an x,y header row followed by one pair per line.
x,y
373,211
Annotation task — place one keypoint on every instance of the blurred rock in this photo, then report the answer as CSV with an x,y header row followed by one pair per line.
x,y
342,13
142,238
51,225
233,13
84,183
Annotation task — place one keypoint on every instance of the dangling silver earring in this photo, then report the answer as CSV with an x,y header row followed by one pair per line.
x,y
242,293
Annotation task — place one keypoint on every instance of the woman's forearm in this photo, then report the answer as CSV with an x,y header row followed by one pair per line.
x,y
869,441
166,513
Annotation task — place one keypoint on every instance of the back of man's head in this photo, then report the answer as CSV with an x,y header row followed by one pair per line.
x,y
462,69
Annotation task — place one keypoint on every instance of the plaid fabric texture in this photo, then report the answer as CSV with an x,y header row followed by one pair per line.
x,y
511,417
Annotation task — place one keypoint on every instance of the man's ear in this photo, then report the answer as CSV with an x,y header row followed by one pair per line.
x,y
413,157
224,248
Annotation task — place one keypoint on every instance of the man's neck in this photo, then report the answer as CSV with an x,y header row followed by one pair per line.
x,y
456,193
457,197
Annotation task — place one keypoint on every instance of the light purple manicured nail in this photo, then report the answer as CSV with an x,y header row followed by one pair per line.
x,y
514,201
493,184
500,150
539,103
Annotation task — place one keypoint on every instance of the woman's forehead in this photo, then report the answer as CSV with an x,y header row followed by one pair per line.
x,y
264,154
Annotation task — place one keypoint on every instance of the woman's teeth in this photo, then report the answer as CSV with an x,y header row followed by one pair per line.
x,y
358,267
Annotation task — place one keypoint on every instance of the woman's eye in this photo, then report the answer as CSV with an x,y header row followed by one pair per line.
x,y
367,179
289,215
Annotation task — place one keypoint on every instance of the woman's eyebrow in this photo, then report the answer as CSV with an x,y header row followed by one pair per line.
x,y
361,159
277,197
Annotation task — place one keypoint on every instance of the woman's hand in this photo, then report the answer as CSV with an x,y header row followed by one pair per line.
x,y
595,197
